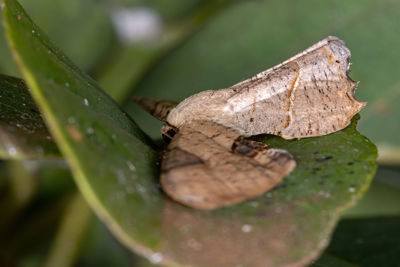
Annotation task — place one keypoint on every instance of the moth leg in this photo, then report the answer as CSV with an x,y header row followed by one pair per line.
x,y
208,166
168,132
157,108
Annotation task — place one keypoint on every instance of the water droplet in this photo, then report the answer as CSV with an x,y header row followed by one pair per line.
x,y
352,189
131,166
71,120
254,204
66,84
12,151
86,102
141,188
156,258
324,194
246,228
33,31
89,131
136,25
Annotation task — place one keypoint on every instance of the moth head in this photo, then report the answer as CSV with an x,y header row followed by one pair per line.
x,y
168,132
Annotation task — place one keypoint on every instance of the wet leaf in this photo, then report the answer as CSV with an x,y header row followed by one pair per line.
x,y
112,161
23,133
115,168
7,65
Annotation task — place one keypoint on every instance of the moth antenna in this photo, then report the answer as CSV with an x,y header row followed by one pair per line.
x,y
157,108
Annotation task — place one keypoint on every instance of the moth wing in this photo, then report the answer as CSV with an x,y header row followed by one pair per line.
x,y
308,95
208,166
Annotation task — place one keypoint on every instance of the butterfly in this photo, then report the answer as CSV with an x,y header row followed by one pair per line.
x,y
209,163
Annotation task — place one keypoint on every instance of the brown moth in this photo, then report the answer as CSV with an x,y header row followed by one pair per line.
x,y
209,164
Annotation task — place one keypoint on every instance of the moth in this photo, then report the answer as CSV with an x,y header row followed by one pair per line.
x,y
210,164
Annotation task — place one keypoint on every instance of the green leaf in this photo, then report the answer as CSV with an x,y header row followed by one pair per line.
x,y
7,64
115,169
22,129
252,36
366,242
111,159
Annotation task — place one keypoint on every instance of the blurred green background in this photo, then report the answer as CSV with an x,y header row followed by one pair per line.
x,y
187,46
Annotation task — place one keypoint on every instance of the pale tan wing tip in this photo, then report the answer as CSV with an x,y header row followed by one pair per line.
x,y
338,46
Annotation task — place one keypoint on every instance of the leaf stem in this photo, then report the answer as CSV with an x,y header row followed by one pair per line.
x,y
71,233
